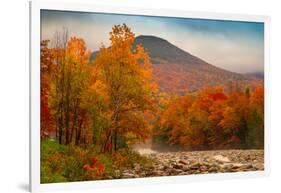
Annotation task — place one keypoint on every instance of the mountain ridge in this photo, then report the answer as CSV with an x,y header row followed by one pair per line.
x,y
177,71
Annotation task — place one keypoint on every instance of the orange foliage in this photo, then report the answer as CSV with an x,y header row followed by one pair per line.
x,y
126,74
211,118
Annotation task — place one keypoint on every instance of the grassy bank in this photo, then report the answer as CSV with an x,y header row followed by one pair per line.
x,y
61,163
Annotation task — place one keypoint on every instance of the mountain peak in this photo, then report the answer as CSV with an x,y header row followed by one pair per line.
x,y
151,38
161,49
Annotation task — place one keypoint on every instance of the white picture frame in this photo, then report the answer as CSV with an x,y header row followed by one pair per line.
x,y
36,6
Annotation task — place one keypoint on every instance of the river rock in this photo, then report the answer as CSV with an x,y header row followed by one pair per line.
x,y
221,159
246,167
128,175
176,171
183,162
195,166
199,162
212,169
183,173
236,165
178,166
203,168
117,174
259,166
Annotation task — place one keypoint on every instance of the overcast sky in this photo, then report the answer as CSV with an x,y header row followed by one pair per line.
x,y
234,46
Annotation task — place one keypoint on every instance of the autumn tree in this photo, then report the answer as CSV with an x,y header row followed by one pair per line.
x,y
173,122
202,117
69,83
235,118
96,101
46,68
125,69
256,119
214,118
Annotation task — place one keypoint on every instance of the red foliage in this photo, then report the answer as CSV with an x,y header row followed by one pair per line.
x,y
94,161
46,68
218,96
101,168
96,170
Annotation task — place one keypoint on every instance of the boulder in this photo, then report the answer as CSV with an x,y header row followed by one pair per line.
x,y
221,159
183,162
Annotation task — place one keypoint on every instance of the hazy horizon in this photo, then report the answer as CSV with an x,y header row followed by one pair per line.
x,y
231,45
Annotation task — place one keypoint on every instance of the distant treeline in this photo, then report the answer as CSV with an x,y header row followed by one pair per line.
x,y
214,119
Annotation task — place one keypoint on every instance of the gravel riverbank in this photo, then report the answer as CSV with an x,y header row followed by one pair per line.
x,y
198,162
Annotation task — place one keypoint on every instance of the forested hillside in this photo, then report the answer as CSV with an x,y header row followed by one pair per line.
x,y
177,71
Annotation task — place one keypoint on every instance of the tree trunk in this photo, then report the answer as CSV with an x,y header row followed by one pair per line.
x,y
106,141
115,140
60,120
78,133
